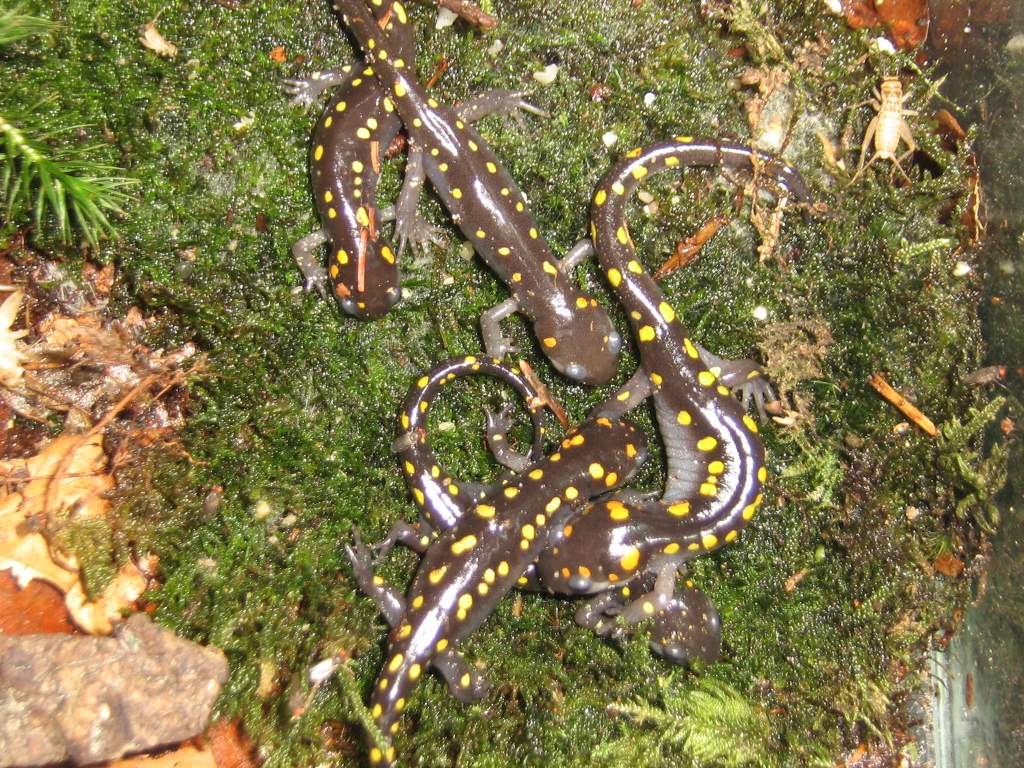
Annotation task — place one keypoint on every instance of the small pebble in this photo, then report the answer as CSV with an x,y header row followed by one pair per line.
x,y
609,139
547,75
1016,44
962,269
288,521
649,98
445,18
883,45
323,670
835,6
263,510
760,313
495,48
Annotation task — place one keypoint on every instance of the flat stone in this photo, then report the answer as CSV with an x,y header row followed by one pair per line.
x,y
91,699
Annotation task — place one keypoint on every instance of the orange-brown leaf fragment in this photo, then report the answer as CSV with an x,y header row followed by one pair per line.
x,y
948,565
278,55
38,608
230,746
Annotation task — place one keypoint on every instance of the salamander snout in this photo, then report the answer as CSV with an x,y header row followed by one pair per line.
x,y
614,342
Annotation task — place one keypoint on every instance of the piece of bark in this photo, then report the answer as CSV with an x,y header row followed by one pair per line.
x,y
89,699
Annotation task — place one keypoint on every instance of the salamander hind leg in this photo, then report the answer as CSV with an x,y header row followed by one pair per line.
x,y
498,102
498,423
410,228
688,628
464,682
306,254
305,90
389,600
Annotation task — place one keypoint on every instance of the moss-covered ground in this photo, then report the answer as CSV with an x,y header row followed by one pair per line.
x,y
831,598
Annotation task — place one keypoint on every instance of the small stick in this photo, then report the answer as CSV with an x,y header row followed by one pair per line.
x,y
544,394
440,69
687,250
375,156
470,12
907,408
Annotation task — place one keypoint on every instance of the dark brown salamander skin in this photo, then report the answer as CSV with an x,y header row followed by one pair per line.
x,y
471,566
345,166
488,207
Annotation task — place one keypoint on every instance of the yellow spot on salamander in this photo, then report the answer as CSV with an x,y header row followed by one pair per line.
x,y
340,106
504,250
376,755
441,644
517,277
684,418
611,479
534,233
465,680
582,303
456,193
405,416
318,152
466,601
423,406
550,342
709,541
536,474
486,511
679,509
618,189
716,468
414,671
464,544
552,505
409,468
328,196
622,235
671,549
511,492
596,471
331,213
400,704
630,560
684,139
371,123
418,495
639,172
707,378
492,167
387,254
400,89
548,267
656,379
520,207
762,474
691,350
417,602
437,574
667,312
529,532
708,489
399,11
600,197
646,333
671,162
376,711
396,662
362,133
617,510
751,424
571,493
503,568
634,267
489,575
473,145
731,535
614,277
362,217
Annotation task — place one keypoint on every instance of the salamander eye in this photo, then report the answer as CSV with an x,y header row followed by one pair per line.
x,y
575,371
349,306
614,342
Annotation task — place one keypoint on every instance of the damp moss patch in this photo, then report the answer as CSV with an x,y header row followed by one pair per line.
x,y
831,598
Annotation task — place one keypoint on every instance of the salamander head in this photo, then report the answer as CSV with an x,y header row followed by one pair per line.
x,y
585,348
368,306
689,628
380,285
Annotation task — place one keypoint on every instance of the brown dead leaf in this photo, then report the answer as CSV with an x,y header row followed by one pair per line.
x,y
69,474
687,250
277,54
230,746
906,21
151,38
36,609
795,579
948,565
186,756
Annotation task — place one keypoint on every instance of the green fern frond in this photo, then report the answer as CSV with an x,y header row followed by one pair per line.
x,y
16,25
72,190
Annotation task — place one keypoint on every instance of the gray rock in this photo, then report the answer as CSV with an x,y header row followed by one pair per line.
x,y
92,699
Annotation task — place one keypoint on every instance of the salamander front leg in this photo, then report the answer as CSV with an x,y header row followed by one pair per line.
x,y
498,424
627,397
464,682
410,228
495,342
389,600
305,90
597,613
416,537
745,378
497,102
306,254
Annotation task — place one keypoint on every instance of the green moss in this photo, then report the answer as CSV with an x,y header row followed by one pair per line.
x,y
825,602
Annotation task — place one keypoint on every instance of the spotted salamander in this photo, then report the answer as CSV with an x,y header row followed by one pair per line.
x,y
345,169
486,204
466,571
715,461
